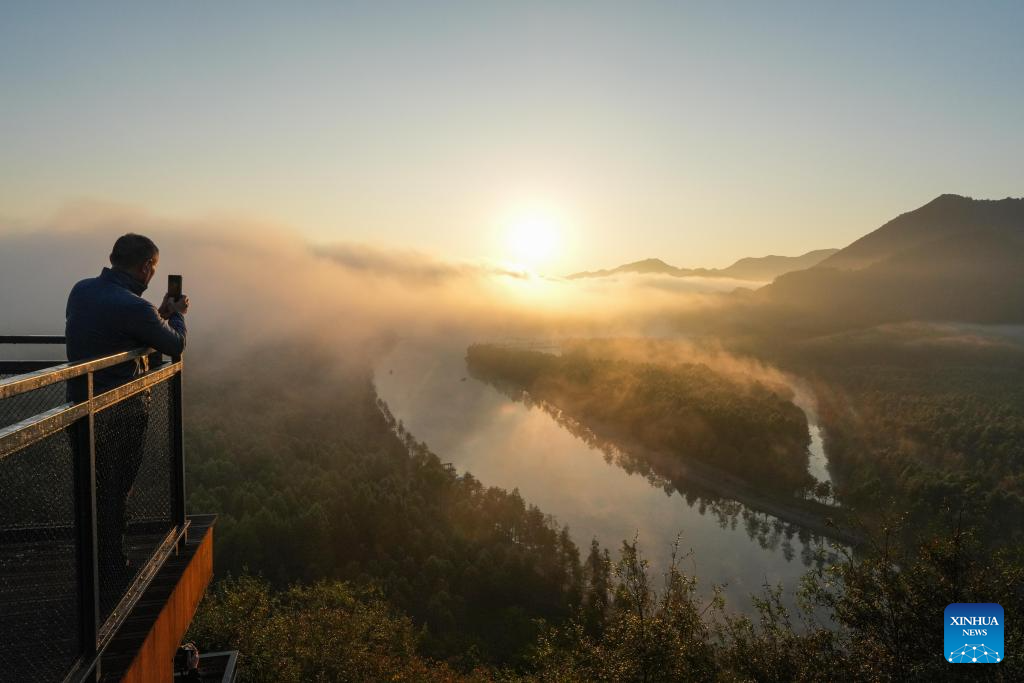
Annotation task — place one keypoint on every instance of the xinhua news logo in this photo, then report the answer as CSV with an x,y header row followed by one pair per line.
x,y
974,633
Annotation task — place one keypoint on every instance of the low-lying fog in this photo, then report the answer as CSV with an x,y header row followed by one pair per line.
x,y
253,283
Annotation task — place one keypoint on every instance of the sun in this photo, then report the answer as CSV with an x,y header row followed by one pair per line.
x,y
533,236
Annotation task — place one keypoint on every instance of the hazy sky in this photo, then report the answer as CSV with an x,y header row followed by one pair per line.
x,y
698,133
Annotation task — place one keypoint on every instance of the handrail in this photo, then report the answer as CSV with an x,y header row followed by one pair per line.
x,y
25,433
31,339
28,431
19,384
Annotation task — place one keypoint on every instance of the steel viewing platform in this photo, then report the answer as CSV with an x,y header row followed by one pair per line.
x,y
85,596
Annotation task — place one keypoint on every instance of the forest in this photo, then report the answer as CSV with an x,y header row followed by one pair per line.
x,y
295,617
312,480
915,416
688,410
918,416
347,550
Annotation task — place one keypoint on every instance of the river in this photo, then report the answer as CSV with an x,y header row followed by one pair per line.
x,y
506,443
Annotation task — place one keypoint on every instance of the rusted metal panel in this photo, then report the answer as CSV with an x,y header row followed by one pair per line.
x,y
156,561
153,661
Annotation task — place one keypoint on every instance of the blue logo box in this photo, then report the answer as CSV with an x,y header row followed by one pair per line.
x,y
973,633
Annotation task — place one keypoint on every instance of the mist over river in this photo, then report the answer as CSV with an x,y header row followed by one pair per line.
x,y
506,443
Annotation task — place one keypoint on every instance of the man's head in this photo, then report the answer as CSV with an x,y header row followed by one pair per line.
x,y
135,255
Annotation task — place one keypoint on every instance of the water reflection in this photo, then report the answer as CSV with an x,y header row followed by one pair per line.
x,y
596,489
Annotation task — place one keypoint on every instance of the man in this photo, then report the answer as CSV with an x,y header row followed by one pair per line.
x,y
106,315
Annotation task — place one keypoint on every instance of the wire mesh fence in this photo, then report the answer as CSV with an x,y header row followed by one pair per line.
x,y
31,403
134,488
42,618
39,596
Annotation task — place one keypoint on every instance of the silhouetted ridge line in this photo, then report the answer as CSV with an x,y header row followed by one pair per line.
x,y
763,268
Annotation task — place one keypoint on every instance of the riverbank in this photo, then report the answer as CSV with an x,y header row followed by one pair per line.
x,y
687,473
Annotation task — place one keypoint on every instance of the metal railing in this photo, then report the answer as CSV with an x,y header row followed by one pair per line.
x,y
92,503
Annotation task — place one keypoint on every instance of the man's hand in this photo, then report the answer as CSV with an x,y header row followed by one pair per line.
x,y
170,306
165,307
181,305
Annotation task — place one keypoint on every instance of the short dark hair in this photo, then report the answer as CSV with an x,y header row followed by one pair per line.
x,y
132,250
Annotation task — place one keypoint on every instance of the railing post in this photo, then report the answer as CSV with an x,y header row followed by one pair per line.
x,y
85,509
178,447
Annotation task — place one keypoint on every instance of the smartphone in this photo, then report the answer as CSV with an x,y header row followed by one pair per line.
x,y
174,287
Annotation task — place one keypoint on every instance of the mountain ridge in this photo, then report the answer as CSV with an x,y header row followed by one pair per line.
x,y
946,215
754,268
954,259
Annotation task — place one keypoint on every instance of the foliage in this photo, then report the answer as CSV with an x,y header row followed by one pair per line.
x,y
312,480
882,619
327,631
639,636
402,563
926,432
687,409
888,602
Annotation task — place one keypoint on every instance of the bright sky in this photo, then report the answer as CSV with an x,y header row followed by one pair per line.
x,y
698,133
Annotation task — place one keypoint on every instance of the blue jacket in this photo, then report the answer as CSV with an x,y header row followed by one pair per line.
x,y
107,315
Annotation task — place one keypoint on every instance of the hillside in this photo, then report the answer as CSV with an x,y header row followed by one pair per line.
x,y
945,217
762,268
954,259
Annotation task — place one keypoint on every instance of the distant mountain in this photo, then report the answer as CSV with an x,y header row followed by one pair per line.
x,y
953,259
767,268
762,269
945,216
651,265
